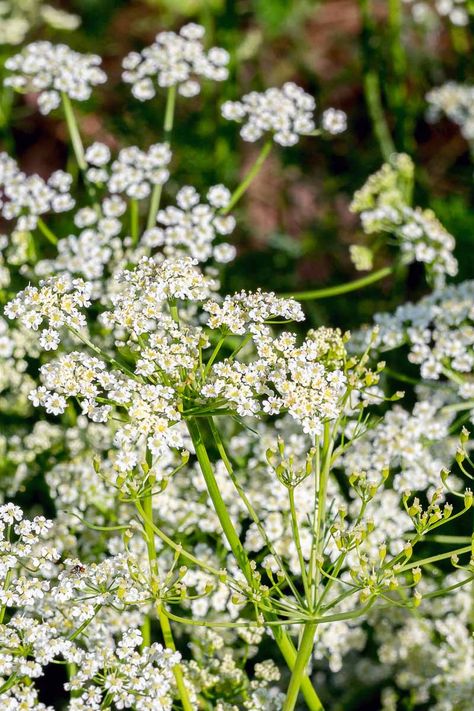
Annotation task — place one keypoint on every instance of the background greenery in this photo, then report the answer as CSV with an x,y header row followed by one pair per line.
x,y
294,225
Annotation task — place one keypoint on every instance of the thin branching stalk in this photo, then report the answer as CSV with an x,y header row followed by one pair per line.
x,y
249,177
147,517
304,654
342,288
74,133
155,199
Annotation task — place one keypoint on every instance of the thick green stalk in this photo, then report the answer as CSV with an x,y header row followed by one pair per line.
x,y
342,288
134,221
304,654
252,513
371,83
146,632
397,94
249,177
217,500
74,131
164,622
283,641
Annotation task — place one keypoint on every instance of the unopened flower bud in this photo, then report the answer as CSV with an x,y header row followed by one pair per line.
x,y
468,498
460,455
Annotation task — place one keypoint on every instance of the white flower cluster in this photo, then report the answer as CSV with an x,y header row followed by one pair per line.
x,y
15,382
456,11
52,70
286,113
438,645
23,451
17,18
422,238
151,408
59,300
127,677
382,204
285,377
218,667
95,248
403,441
144,291
238,311
174,60
25,197
457,102
439,330
194,226
134,172
26,550
28,646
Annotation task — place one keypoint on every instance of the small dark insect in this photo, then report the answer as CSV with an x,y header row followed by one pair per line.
x,y
77,570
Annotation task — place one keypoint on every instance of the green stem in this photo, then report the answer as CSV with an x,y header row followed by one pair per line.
x,y
371,83
146,632
155,199
169,112
178,548
397,94
178,674
304,654
317,548
154,206
134,221
252,513
297,541
376,113
164,622
284,643
49,234
217,500
74,131
342,288
433,559
85,624
214,355
249,177
6,584
11,681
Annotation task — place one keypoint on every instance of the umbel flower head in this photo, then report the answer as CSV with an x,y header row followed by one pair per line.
x,y
286,113
135,172
26,197
52,70
383,204
457,102
174,60
194,227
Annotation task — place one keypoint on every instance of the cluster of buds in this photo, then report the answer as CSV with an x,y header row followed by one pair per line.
x,y
366,488
435,513
284,467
